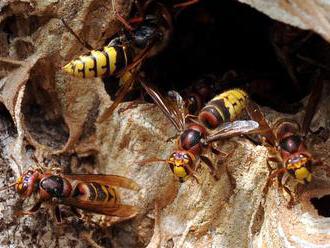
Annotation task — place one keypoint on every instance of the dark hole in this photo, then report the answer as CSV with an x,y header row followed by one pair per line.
x,y
213,37
7,126
19,26
45,123
30,149
322,205
8,26
106,242
217,36
91,159
23,49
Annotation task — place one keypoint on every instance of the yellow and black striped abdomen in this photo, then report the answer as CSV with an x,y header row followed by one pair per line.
x,y
109,61
225,107
95,192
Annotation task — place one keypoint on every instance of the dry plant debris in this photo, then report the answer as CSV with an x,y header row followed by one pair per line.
x,y
52,115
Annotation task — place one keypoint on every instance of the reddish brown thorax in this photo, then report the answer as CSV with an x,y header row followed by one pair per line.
x,y
46,185
190,139
54,186
291,145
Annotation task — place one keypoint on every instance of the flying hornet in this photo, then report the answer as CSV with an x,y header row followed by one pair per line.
x,y
215,121
90,192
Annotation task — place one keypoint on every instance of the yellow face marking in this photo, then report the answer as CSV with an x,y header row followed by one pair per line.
x,y
302,174
19,183
293,166
298,164
112,57
179,171
19,180
178,162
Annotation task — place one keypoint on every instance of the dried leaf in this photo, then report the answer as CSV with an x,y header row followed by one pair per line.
x,y
313,14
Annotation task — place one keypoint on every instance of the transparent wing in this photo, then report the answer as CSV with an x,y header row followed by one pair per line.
x,y
174,110
312,104
264,129
229,129
179,106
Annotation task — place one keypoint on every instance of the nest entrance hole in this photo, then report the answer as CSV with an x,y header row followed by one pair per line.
x,y
7,125
214,37
322,205
43,119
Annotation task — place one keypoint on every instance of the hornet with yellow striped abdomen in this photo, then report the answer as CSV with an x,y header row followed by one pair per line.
x,y
125,53
224,107
92,193
110,61
287,149
195,137
128,48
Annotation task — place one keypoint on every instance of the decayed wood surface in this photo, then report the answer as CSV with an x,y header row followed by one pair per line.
x,y
231,212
